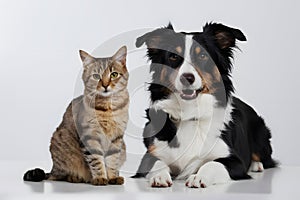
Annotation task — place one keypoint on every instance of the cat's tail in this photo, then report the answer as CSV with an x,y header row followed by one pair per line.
x,y
36,175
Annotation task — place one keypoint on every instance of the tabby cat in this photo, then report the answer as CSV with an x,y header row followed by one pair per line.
x,y
88,145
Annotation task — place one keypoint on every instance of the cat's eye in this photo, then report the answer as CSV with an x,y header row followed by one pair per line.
x,y
173,57
96,76
114,75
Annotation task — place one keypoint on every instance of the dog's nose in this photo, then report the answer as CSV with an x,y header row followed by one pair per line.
x,y
187,79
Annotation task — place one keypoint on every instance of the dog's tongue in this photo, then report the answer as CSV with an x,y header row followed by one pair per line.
x,y
188,94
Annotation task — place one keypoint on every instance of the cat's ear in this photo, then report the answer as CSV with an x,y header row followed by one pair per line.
x,y
120,55
86,58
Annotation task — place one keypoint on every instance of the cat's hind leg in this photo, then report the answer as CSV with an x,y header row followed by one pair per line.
x,y
68,162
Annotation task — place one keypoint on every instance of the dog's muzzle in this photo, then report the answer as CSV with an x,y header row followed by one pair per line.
x,y
188,94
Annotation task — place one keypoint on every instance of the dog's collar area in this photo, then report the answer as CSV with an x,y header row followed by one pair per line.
x,y
177,120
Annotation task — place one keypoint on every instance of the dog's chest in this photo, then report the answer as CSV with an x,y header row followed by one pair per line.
x,y
197,140
190,139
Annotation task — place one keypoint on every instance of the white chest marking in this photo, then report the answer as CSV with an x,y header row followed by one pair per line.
x,y
199,141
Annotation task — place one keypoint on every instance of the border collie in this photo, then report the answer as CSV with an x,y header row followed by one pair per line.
x,y
197,129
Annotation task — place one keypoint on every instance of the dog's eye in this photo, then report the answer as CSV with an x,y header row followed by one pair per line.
x,y
173,57
203,56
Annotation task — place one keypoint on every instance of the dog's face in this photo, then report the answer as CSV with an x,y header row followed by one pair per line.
x,y
190,64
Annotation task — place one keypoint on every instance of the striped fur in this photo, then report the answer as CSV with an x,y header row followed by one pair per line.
x,y
88,146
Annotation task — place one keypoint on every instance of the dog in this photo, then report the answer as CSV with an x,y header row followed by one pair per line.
x,y
197,130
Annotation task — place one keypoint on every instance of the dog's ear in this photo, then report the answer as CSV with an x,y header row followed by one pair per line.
x,y
153,37
225,36
170,26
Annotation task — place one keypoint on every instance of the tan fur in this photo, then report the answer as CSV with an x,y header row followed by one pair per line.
x,y
209,79
223,39
255,157
169,80
179,49
216,74
151,149
68,162
88,145
197,50
163,75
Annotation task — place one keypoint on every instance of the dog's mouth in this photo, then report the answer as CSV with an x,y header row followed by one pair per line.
x,y
188,94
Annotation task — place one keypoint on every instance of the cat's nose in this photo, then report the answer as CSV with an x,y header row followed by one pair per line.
x,y
105,83
102,85
105,87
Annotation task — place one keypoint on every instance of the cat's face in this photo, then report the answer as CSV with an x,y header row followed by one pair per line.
x,y
104,76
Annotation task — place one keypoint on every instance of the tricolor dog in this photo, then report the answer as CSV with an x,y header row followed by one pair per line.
x,y
197,129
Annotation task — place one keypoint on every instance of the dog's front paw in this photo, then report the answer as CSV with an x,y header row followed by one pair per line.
x,y
209,174
169,107
161,179
195,181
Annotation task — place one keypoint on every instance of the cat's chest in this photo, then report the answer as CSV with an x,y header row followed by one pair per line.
x,y
108,119
108,123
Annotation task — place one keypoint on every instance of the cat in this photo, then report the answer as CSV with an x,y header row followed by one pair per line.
x,y
88,145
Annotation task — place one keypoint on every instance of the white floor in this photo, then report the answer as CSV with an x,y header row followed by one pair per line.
x,y
279,183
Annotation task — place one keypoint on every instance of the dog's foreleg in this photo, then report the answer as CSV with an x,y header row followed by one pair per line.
x,y
169,107
209,174
160,175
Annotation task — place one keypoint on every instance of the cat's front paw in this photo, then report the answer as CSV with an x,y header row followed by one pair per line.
x,y
99,181
209,174
116,181
161,179
75,179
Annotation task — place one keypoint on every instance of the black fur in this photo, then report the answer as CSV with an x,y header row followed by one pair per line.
x,y
148,161
245,134
161,127
235,167
35,175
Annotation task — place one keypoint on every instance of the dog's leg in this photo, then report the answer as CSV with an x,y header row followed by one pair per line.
x,y
209,174
168,106
146,164
160,175
235,167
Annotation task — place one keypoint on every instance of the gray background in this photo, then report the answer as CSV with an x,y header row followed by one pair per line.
x,y
40,64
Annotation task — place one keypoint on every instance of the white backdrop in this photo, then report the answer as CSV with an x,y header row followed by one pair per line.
x,y
40,65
